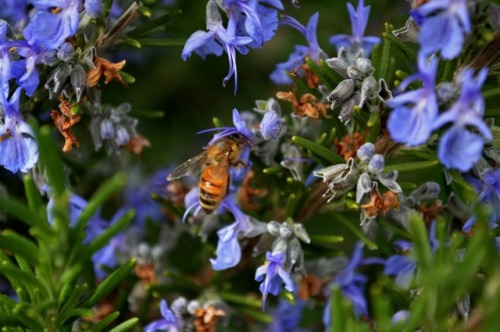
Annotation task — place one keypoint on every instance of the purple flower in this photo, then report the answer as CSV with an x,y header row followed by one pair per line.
x,y
359,18
401,266
52,23
228,248
312,50
411,122
352,284
270,126
287,316
169,322
22,70
445,23
254,19
488,189
240,128
216,40
106,256
18,148
459,148
272,275
93,7
15,11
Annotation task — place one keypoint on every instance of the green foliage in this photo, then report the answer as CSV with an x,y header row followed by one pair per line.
x,y
45,269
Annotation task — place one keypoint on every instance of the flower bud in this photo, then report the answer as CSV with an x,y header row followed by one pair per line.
x,y
270,126
366,152
300,231
363,187
122,136
93,8
343,91
368,88
273,227
106,129
78,81
192,306
179,306
285,230
376,164
65,52
364,65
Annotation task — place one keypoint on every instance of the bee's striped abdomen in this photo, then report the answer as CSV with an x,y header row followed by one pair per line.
x,y
213,187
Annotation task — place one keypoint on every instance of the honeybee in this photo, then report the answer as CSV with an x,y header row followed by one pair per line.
x,y
214,164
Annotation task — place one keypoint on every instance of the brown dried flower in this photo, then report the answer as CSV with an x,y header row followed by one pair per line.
x,y
348,145
206,319
380,203
107,68
306,106
63,121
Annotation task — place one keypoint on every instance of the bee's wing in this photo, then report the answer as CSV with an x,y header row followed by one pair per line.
x,y
189,167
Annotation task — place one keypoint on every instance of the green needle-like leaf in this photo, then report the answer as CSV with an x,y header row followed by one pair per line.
x,y
330,239
412,166
27,279
99,198
109,284
321,73
458,178
24,214
337,315
318,150
19,245
238,299
103,238
49,156
422,247
354,228
126,325
105,321
35,202
258,315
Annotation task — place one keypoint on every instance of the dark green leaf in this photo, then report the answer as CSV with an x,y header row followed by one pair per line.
x,y
318,150
126,325
109,284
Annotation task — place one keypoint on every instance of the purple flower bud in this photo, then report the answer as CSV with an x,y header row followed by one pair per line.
x,y
65,52
93,8
376,164
366,152
270,126
106,129
122,136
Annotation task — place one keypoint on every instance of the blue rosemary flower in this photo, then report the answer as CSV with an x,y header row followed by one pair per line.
x,y
254,19
52,23
18,148
296,59
273,274
15,11
107,255
352,284
460,148
287,316
228,248
217,40
445,24
240,128
401,266
93,8
359,19
411,122
169,322
22,70
488,189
